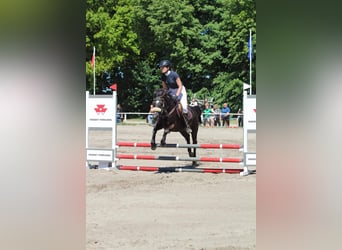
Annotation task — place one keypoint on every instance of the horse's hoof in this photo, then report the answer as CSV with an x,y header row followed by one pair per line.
x,y
195,164
153,146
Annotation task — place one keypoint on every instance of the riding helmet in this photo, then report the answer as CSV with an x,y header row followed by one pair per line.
x,y
165,63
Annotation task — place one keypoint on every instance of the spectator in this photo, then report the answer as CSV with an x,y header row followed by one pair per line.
x,y
119,115
225,114
207,116
217,118
203,104
240,118
150,117
193,102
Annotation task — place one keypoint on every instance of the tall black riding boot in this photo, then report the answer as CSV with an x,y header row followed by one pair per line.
x,y
186,120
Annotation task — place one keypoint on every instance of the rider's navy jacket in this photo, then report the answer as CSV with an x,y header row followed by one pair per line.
x,y
170,79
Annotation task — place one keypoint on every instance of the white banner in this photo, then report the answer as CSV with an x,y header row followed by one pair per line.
x,y
249,112
100,155
100,112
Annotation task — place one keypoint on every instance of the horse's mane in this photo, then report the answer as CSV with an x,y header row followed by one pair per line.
x,y
162,93
158,92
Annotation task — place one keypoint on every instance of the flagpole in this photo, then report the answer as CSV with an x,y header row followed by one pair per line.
x,y
94,69
250,61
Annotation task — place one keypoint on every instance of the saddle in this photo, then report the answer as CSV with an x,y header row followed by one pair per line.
x,y
180,111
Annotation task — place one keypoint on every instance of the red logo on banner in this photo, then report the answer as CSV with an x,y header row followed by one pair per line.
x,y
254,110
100,108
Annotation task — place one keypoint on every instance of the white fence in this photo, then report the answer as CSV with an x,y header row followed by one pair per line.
x,y
125,116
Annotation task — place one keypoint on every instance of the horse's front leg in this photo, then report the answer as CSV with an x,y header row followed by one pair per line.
x,y
153,140
163,140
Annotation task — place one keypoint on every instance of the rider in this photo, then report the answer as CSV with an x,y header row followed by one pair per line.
x,y
171,80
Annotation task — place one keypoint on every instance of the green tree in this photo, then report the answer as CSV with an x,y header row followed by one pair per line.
x,y
205,40
109,27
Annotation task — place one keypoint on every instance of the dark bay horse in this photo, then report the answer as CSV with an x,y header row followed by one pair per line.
x,y
168,116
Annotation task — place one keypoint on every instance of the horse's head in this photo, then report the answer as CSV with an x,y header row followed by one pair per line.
x,y
158,100
162,101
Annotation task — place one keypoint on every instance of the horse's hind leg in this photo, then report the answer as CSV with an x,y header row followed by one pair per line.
x,y
191,154
194,139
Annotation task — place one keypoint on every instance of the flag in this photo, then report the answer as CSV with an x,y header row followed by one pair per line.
x,y
113,86
93,66
250,46
93,59
246,86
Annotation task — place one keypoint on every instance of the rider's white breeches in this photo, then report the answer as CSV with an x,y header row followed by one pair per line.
x,y
183,100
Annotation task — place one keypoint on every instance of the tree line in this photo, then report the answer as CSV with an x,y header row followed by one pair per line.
x,y
205,40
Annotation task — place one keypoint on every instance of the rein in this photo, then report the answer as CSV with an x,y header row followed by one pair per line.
x,y
164,107
174,109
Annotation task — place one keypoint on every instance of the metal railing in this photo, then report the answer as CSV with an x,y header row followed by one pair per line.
x,y
126,114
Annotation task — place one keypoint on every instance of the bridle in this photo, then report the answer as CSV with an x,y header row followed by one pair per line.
x,y
159,102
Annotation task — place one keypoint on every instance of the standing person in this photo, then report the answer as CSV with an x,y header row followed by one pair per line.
x,y
150,117
119,116
193,102
171,81
240,118
225,114
204,102
217,117
207,116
